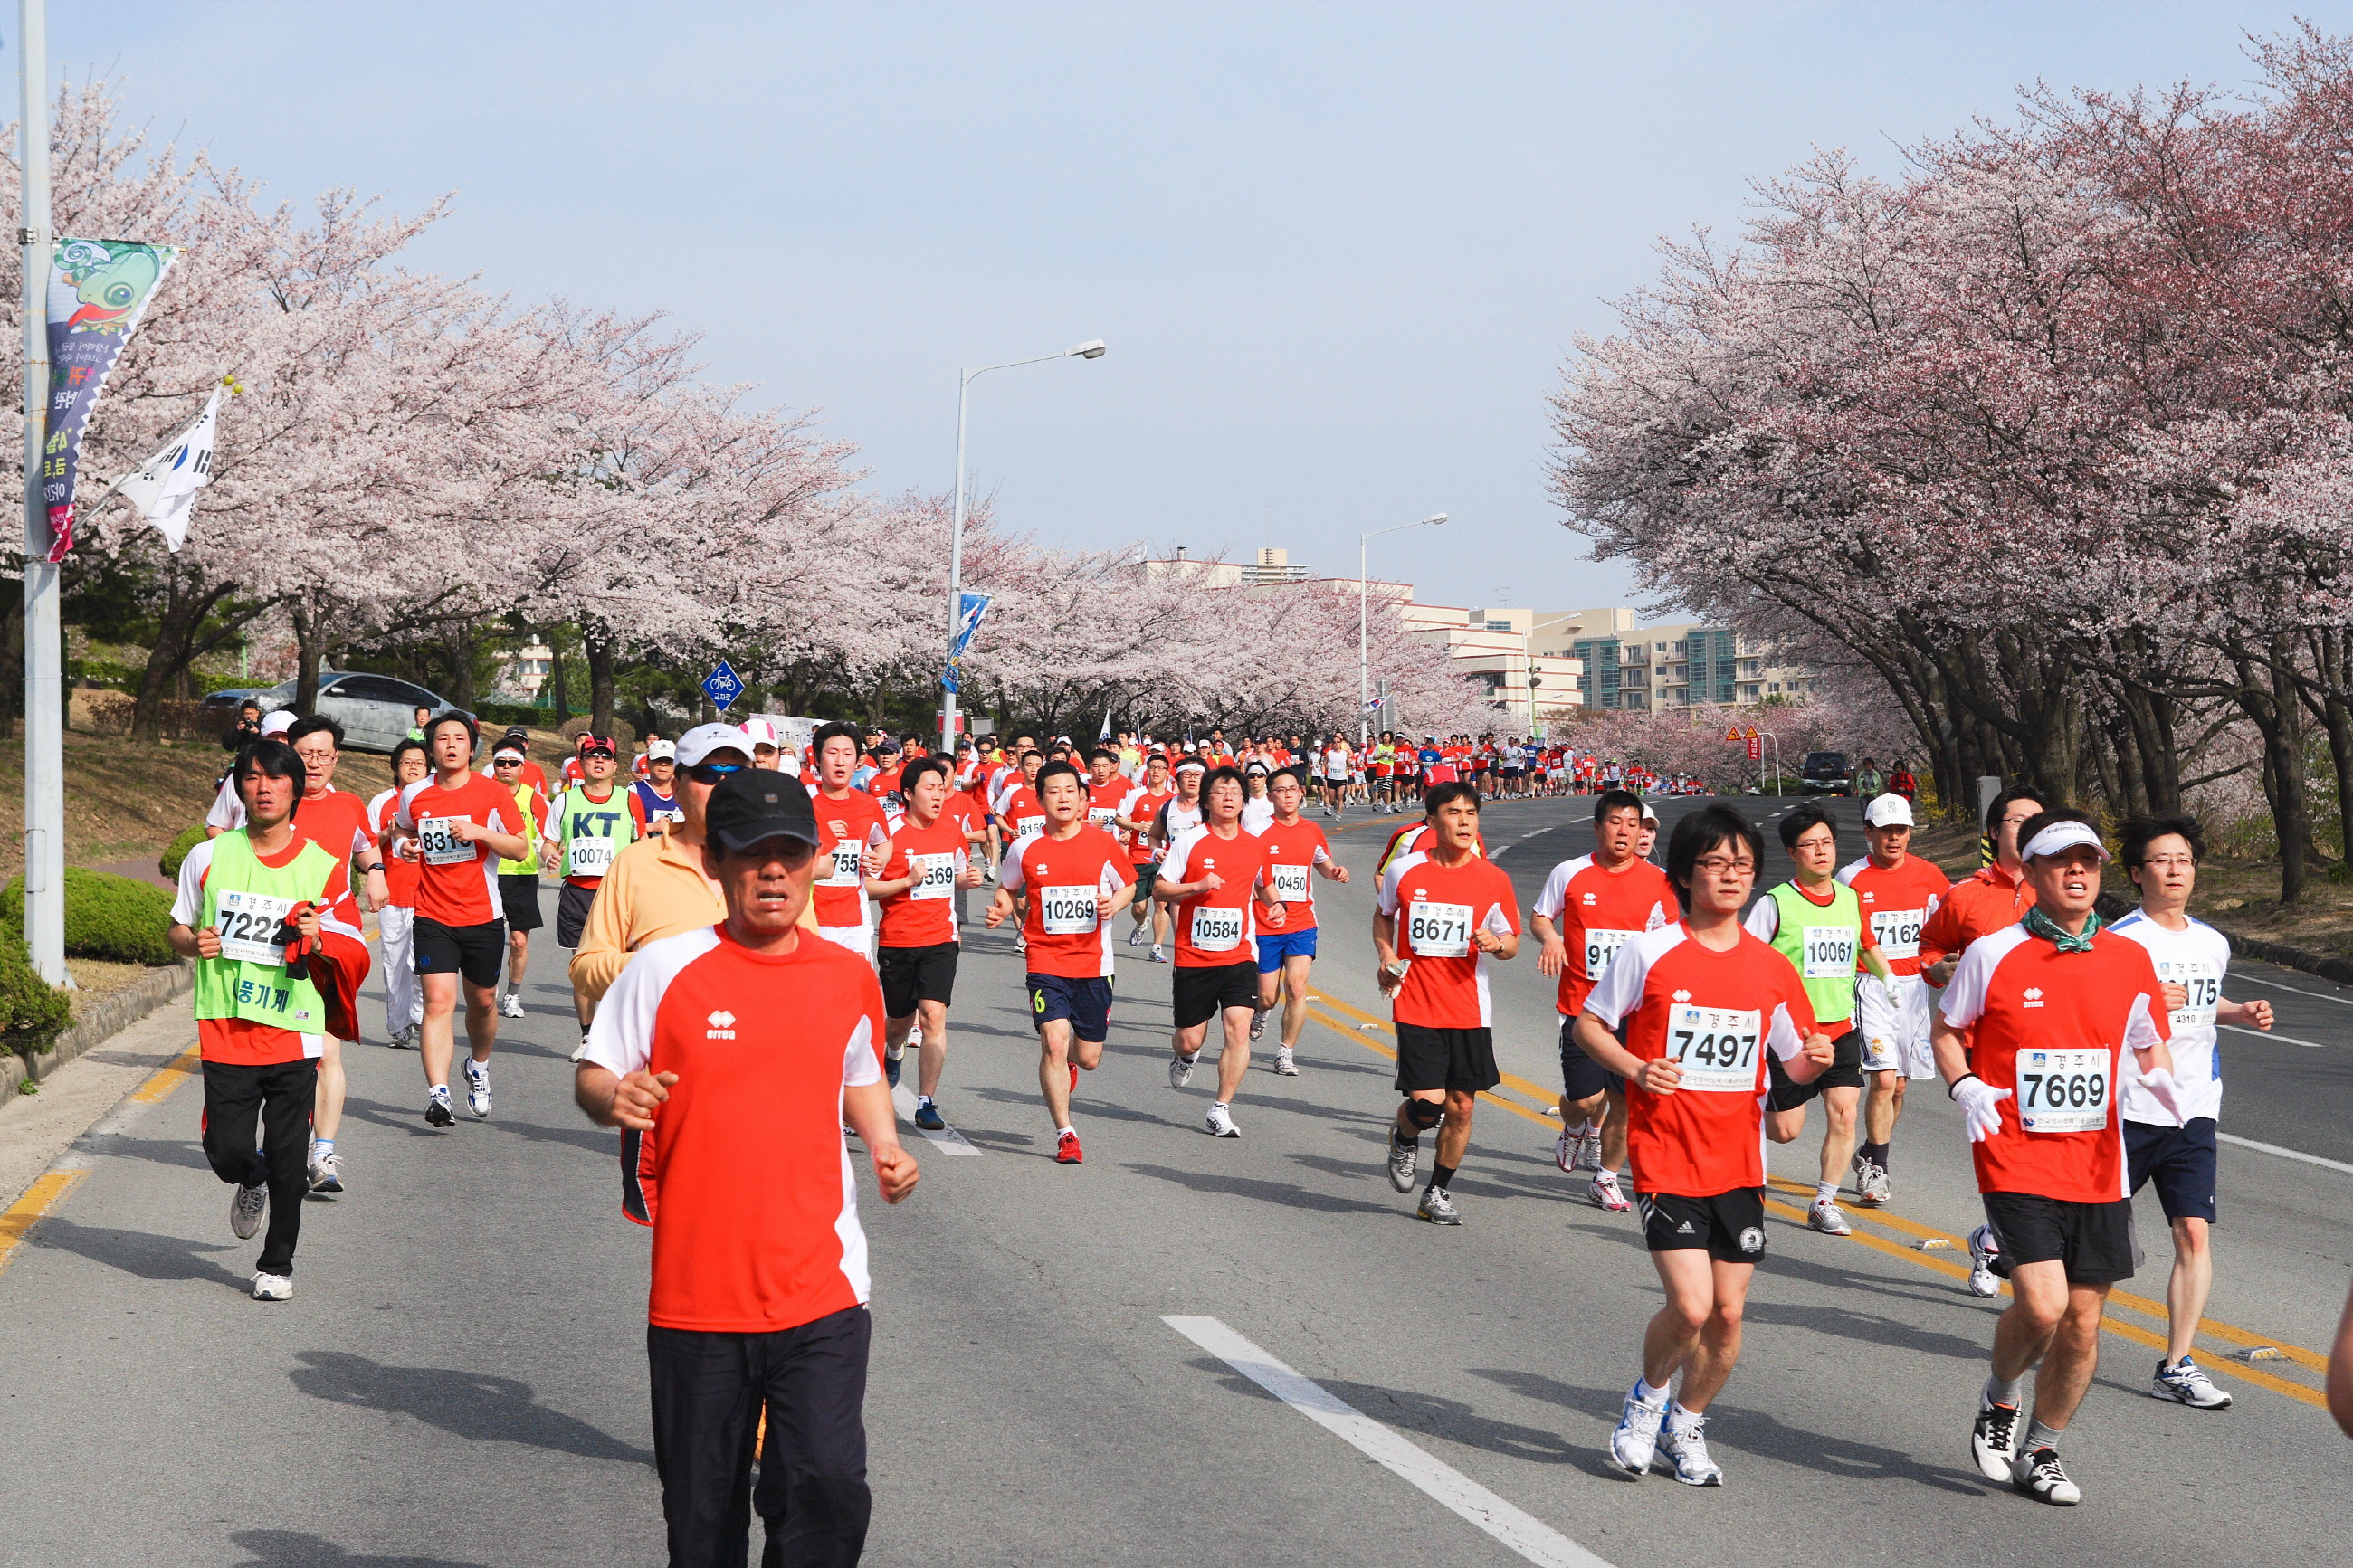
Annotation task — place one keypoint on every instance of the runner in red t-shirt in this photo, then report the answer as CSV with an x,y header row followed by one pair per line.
x,y
1702,1003
404,1005
1106,790
1214,879
1443,914
925,868
1143,802
1899,892
460,826
2030,1036
1590,908
1295,850
732,1057
1076,878
338,822
851,834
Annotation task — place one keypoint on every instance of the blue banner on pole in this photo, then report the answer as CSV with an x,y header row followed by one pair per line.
x,y
98,289
970,608
722,685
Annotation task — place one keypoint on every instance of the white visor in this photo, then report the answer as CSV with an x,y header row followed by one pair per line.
x,y
2061,835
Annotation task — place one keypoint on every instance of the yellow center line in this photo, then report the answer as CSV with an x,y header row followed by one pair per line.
x,y
2228,1333
169,1077
38,1199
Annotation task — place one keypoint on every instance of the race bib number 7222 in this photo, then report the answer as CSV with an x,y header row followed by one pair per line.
x,y
248,924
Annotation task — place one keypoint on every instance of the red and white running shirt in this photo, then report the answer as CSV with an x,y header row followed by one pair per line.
x,y
1020,813
1596,911
1896,904
1104,801
844,829
746,1177
1219,927
1142,805
925,914
1437,910
1071,883
2051,1027
458,884
400,874
1293,850
1717,1015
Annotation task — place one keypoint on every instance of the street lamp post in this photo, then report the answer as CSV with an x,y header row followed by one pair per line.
x,y
1093,349
1363,646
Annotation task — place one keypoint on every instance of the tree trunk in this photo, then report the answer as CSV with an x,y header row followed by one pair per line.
x,y
310,635
2263,695
558,687
598,650
179,621
459,641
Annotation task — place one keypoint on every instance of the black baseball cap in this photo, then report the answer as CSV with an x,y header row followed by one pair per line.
x,y
755,804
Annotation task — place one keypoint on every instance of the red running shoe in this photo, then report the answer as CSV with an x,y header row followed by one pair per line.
x,y
1066,1148
1075,1078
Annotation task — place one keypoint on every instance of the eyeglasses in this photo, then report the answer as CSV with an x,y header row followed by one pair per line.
x,y
1717,865
712,773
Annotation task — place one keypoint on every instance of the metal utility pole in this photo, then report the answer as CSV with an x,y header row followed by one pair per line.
x,y
44,766
1091,349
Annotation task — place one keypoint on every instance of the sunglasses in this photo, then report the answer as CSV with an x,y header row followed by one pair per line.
x,y
506,762
712,773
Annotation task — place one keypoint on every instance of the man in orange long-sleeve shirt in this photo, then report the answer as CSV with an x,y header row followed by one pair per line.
x,y
1997,897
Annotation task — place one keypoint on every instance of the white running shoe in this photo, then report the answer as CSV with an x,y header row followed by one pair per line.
x,y
1588,1148
1403,1159
1437,1207
1565,1149
1604,1194
1636,1440
1180,1069
1221,1123
327,1173
1828,1217
1258,1027
1872,1187
478,1087
1687,1447
246,1207
2186,1383
1993,1440
2038,1474
1285,1064
1135,936
273,1288
510,1006
1156,955
1020,943
1983,1250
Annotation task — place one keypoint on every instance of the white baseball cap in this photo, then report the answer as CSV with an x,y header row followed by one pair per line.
x,y
279,723
759,732
703,740
1888,811
2061,835
656,751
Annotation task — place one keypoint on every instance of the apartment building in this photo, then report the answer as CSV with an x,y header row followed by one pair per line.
x,y
1679,664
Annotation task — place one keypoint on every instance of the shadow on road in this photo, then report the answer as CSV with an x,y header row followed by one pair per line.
x,y
144,1253
292,1549
1285,1193
462,1404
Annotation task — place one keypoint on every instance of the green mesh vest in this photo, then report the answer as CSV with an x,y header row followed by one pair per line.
x,y
1823,943
245,900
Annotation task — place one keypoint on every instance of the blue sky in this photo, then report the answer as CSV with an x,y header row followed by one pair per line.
x,y
1339,252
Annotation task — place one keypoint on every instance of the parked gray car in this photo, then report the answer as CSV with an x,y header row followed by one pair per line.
x,y
375,711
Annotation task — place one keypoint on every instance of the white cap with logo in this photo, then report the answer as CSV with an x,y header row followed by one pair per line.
x,y
705,739
1888,811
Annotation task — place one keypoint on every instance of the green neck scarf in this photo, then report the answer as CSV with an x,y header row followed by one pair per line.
x,y
2051,931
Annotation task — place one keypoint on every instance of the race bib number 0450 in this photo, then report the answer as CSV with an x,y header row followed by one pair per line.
x,y
1290,882
2064,1092
1715,1046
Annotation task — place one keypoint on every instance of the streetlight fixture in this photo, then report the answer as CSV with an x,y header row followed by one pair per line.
x,y
1093,348
1364,655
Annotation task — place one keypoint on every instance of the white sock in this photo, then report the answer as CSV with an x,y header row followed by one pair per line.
x,y
1606,1174
1654,1397
1682,1418
1825,1192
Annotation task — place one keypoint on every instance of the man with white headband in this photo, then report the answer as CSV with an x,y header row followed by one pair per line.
x,y
2055,1004
1898,891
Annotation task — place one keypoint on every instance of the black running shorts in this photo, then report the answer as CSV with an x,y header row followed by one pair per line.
x,y
914,975
1459,1059
1845,1071
475,952
521,896
1200,993
1730,1225
2094,1240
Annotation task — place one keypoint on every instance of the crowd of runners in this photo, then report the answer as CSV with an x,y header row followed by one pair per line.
x,y
736,889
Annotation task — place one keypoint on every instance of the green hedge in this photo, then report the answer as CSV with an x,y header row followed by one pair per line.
x,y
169,866
32,1015
107,916
499,715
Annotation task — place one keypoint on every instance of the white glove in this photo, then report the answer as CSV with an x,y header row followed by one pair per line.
x,y
1980,1105
2160,1088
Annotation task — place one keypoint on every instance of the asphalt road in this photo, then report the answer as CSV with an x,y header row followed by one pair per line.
x,y
460,1379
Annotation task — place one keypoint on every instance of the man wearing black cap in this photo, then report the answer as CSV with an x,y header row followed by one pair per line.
x,y
731,1055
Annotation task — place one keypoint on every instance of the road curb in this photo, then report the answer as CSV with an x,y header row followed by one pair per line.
x,y
110,1017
